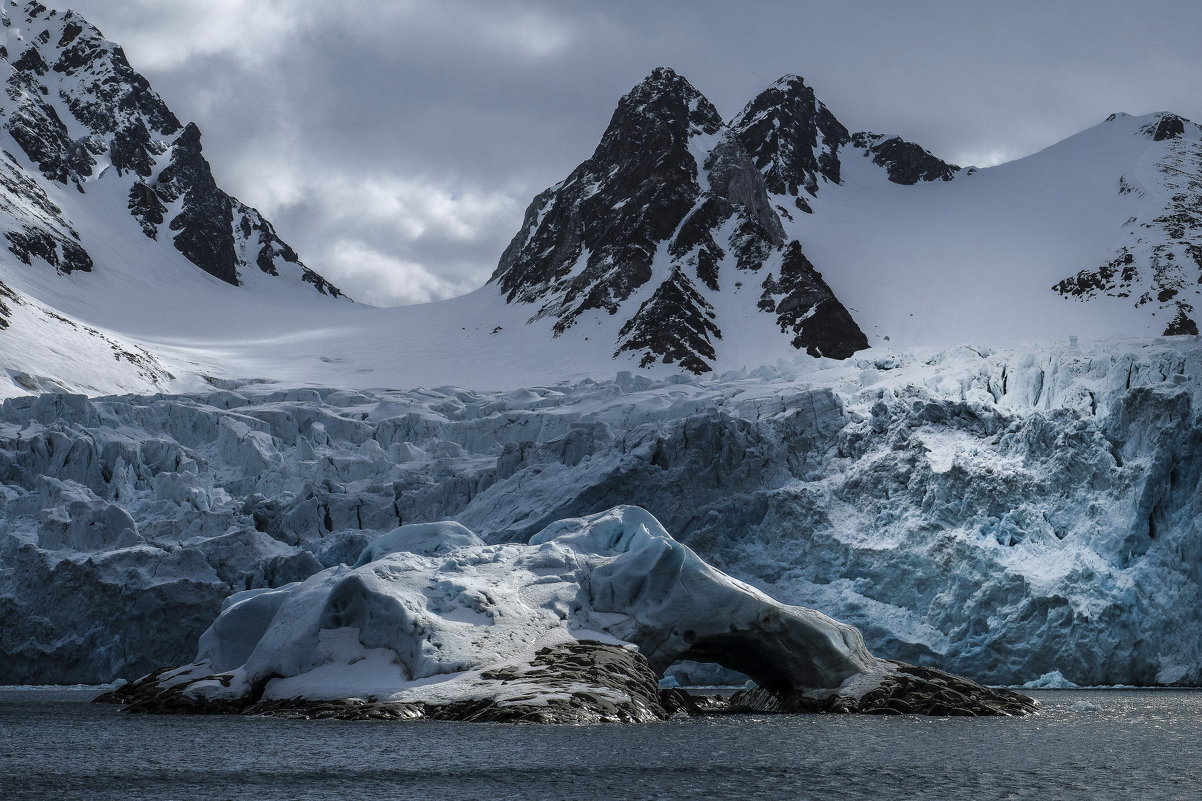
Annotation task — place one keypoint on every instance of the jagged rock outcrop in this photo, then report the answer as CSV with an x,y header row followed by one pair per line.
x,y
76,109
589,242
907,690
676,324
905,162
805,307
796,142
657,225
793,138
575,682
36,227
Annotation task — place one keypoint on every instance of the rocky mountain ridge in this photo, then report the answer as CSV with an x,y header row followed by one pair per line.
x,y
678,215
687,242
685,227
76,114
1159,260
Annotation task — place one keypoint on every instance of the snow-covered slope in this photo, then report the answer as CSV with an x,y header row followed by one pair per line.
x,y
1000,514
985,257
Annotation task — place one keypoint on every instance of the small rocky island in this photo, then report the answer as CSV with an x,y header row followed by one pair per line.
x,y
577,626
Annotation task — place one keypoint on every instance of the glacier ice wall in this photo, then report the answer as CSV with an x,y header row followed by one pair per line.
x,y
998,514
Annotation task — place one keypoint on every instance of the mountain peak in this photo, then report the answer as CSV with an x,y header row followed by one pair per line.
x,y
669,211
664,75
668,97
790,83
83,117
666,79
1167,126
792,137
588,243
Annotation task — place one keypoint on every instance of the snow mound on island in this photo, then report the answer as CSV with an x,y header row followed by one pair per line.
x,y
421,624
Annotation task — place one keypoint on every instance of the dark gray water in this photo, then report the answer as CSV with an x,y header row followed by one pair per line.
x,y
1143,745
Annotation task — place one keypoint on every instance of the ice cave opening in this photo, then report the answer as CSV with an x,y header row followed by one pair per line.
x,y
729,659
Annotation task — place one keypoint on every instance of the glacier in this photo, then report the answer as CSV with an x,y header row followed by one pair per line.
x,y
1003,514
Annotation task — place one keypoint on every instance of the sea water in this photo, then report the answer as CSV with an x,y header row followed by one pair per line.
x,y
1100,744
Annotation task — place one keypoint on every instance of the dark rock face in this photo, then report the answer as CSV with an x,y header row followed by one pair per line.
x,y
617,206
911,690
671,197
1181,324
256,237
1170,126
576,683
107,97
905,162
64,255
205,224
7,296
792,138
36,227
1111,278
38,130
147,208
69,77
1159,262
795,141
573,683
675,324
807,308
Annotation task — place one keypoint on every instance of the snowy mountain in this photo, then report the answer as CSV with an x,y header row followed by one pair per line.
x,y
683,243
689,231
1159,262
680,225
76,112
668,225
98,178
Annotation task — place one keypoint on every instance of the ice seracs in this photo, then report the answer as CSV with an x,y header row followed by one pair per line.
x,y
993,513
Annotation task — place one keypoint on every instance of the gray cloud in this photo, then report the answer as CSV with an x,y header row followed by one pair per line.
x,y
395,143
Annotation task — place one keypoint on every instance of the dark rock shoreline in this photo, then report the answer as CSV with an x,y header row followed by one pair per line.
x,y
911,690
589,682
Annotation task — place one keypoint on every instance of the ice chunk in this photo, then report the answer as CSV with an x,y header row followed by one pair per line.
x,y
425,539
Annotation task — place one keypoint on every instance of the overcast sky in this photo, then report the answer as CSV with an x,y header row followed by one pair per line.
x,y
396,143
